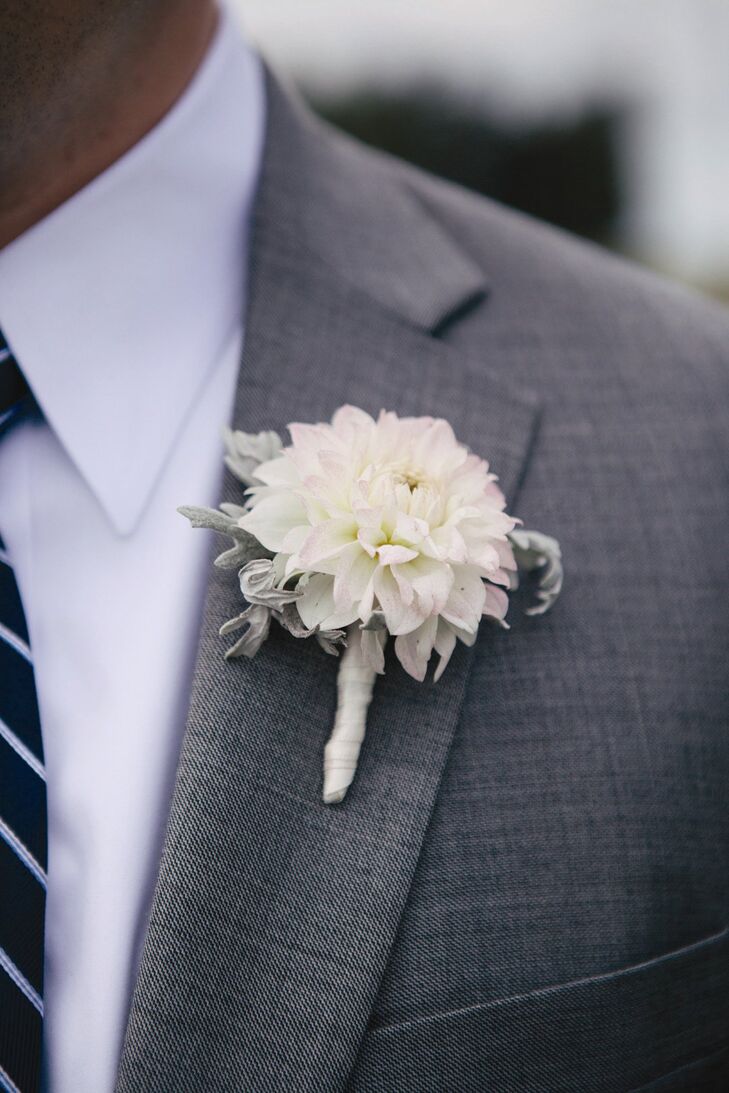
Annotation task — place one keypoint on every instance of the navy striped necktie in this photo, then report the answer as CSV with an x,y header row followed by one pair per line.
x,y
22,811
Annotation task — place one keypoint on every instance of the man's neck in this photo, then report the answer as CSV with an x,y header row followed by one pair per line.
x,y
110,118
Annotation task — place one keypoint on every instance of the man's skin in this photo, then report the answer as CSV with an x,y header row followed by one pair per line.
x,y
82,81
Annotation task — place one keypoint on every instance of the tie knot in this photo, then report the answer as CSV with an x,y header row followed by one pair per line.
x,y
14,390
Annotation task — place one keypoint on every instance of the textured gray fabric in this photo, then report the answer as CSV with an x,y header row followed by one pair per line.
x,y
526,888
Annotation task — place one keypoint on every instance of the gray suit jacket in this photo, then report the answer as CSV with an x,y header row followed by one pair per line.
x,y
526,888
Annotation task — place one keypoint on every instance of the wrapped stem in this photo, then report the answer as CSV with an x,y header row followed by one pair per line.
x,y
355,682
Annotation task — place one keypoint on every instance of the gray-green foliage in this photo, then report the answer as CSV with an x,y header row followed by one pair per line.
x,y
245,451
534,551
267,596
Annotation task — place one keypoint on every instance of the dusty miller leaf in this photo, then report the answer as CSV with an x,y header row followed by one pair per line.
x,y
245,451
257,621
215,520
258,585
535,551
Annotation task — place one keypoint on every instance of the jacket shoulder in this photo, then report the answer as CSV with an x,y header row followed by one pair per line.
x,y
546,279
557,286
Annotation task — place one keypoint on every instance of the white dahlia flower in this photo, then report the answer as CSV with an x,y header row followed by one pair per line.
x,y
370,528
385,527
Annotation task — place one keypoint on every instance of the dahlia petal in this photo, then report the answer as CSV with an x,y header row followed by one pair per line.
x,y
432,582
271,519
408,528
355,571
326,540
316,512
340,619
449,544
426,507
500,576
370,538
278,472
316,605
373,649
400,617
294,539
317,599
413,650
505,552
496,603
367,599
497,523
396,555
445,643
307,438
335,469
482,554
466,599
405,588
320,500
361,499
468,637
437,444
389,513
349,419
494,494
458,512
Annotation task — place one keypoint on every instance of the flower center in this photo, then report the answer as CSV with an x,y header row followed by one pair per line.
x,y
410,479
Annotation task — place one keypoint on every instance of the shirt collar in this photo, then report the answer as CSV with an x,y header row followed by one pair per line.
x,y
118,304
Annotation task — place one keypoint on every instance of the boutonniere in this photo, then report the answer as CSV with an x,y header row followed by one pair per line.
x,y
361,531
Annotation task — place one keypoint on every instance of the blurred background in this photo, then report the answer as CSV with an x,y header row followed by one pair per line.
x,y
607,117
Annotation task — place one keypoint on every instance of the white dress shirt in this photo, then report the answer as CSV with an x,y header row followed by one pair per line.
x,y
124,308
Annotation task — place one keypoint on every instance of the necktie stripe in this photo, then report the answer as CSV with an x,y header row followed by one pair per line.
x,y
18,704
6,1084
22,853
23,822
18,746
7,416
19,919
20,982
23,812
21,1030
15,642
13,615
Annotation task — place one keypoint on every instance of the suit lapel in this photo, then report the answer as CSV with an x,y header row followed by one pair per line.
x,y
274,915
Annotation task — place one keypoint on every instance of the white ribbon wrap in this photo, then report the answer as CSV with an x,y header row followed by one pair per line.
x,y
355,683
